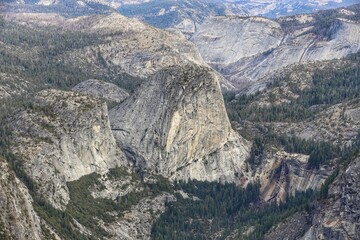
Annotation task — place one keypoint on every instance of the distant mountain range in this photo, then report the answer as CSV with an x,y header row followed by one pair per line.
x,y
184,15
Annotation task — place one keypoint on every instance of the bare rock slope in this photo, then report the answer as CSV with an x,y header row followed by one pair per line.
x,y
338,217
101,89
18,218
283,174
176,125
62,136
245,50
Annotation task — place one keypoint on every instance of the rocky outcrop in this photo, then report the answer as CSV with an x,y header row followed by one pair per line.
x,y
282,174
245,50
60,137
124,45
226,40
116,187
338,217
176,125
101,89
292,228
13,85
180,15
137,222
18,219
135,48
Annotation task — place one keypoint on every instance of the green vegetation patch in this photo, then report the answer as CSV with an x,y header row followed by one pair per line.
x,y
329,87
37,55
89,211
219,209
320,152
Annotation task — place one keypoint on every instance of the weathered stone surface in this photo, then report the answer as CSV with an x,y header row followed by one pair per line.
x,y
245,50
226,40
292,228
62,136
101,89
18,219
338,217
282,174
137,222
176,125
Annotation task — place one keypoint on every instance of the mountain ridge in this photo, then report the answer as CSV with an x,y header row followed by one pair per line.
x,y
165,161
226,44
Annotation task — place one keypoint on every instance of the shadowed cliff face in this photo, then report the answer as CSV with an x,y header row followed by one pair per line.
x,y
176,125
18,218
338,217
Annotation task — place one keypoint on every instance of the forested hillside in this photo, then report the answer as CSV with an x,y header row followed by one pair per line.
x,y
328,86
35,55
164,161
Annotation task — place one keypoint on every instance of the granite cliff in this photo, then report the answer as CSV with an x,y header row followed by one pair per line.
x,y
338,216
183,131
101,89
90,173
246,50
60,137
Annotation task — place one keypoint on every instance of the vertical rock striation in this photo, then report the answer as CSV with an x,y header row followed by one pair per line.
x,y
176,125
62,136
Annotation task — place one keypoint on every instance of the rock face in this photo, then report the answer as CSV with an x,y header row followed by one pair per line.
x,y
61,137
135,48
292,228
338,217
101,89
137,222
18,219
282,174
176,125
245,50
226,40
